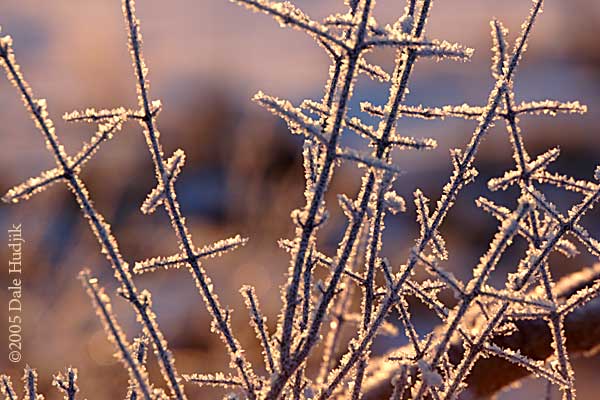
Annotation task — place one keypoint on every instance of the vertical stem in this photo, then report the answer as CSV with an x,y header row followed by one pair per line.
x,y
173,209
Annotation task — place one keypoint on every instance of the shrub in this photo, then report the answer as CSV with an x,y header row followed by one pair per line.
x,y
478,325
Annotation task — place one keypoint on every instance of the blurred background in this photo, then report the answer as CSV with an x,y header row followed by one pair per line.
x,y
244,170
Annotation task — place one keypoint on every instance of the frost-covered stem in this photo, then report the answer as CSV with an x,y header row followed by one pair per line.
x,y
372,253
352,233
307,289
146,315
30,379
475,350
485,121
117,336
473,353
298,380
69,387
521,156
400,384
513,129
455,184
288,366
564,227
491,258
557,329
412,335
332,84
258,320
332,338
490,374
374,245
34,110
412,4
498,247
97,224
556,320
358,379
259,5
358,351
337,322
178,221
520,153
392,298
574,215
7,389
445,202
397,93
140,347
